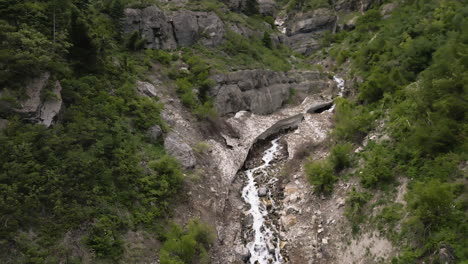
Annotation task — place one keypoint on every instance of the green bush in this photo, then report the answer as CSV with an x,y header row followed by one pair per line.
x,y
355,202
378,167
187,246
341,156
321,175
352,121
104,239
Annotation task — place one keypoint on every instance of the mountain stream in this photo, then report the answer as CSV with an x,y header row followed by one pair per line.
x,y
266,245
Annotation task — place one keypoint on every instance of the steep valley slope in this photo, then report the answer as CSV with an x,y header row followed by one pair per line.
x,y
233,131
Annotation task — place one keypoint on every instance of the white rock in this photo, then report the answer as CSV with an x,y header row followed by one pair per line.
x,y
325,241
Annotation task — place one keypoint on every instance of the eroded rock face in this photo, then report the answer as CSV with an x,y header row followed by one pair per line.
x,y
37,107
318,19
305,31
267,7
169,30
262,91
355,5
180,150
50,106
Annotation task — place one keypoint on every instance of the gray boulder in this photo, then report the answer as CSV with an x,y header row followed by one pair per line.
x,y
180,150
146,88
262,191
154,132
351,23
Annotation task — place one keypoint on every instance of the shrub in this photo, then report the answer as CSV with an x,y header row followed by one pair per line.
x,y
187,246
341,156
378,167
432,202
352,121
201,147
321,175
104,239
266,40
354,205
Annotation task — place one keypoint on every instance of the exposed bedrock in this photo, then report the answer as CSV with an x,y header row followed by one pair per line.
x,y
42,101
265,7
169,30
305,30
263,91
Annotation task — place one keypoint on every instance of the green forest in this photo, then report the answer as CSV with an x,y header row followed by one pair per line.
x,y
84,176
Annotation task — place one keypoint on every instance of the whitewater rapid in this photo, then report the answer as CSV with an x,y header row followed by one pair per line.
x,y
265,248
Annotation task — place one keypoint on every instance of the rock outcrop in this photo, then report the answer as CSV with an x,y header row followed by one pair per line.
x,y
355,5
169,30
146,89
43,100
305,31
154,133
262,91
267,7
180,150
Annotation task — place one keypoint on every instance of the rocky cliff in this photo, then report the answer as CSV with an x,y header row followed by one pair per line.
x,y
263,91
169,30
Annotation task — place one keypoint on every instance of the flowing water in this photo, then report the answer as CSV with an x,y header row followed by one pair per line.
x,y
340,83
265,248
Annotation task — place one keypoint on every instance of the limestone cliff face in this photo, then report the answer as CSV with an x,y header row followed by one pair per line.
x,y
169,30
305,29
263,91
42,101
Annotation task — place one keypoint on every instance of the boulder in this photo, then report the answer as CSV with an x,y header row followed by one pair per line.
x,y
262,191
288,221
154,133
180,150
243,253
351,23
146,88
248,220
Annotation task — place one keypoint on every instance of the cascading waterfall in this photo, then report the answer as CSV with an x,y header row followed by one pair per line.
x,y
340,83
265,248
